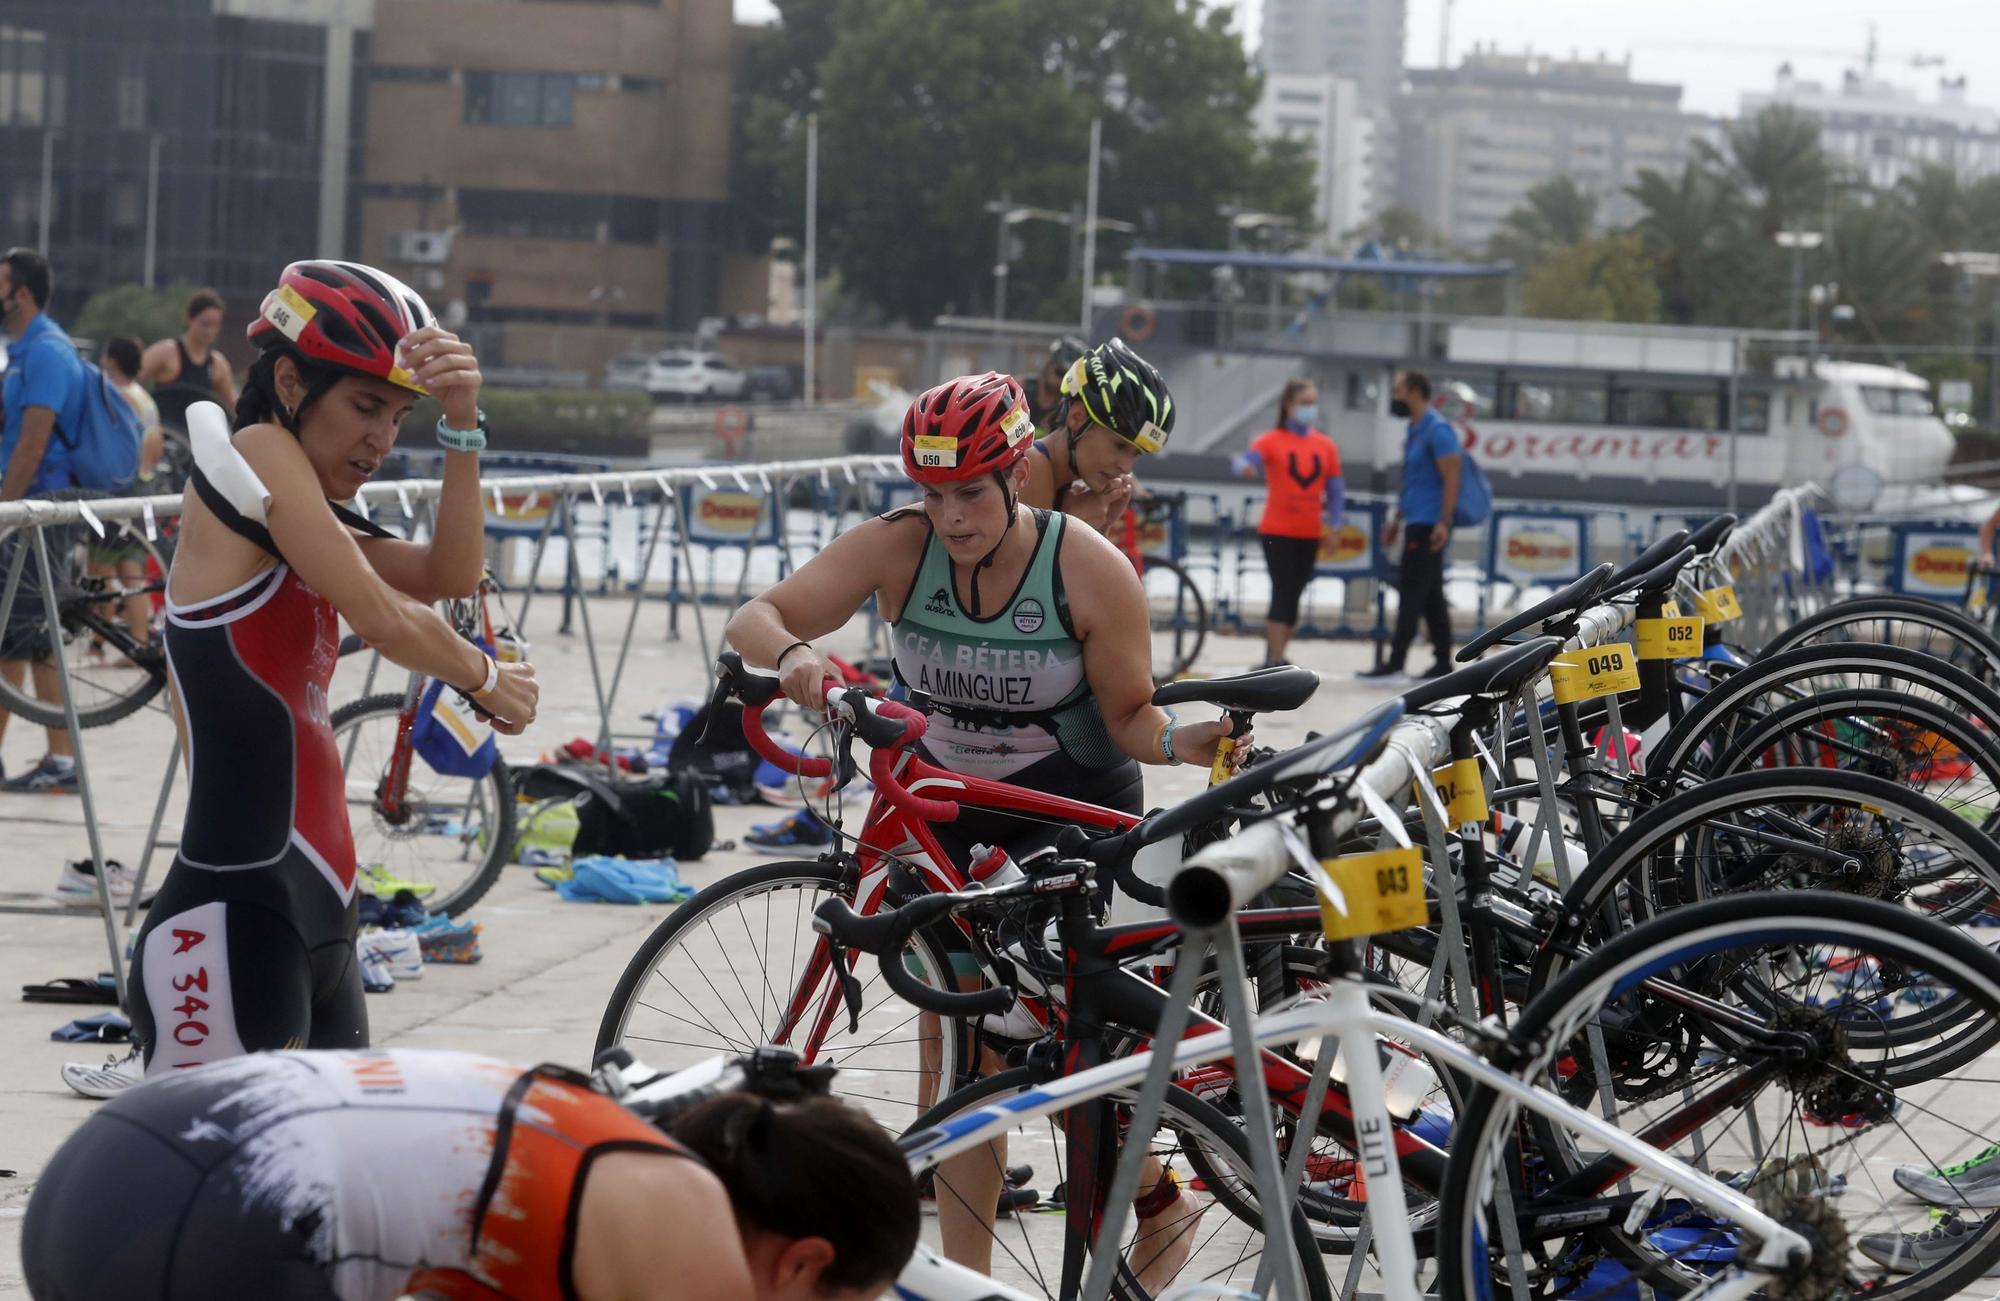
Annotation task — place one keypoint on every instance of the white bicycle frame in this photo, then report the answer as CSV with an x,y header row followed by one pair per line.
x,y
1346,1013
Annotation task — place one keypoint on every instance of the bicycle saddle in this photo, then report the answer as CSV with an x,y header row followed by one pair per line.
x,y
1500,676
1653,581
1712,534
1262,691
1563,606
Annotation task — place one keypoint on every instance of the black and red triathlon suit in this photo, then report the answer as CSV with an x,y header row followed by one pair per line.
x,y
250,944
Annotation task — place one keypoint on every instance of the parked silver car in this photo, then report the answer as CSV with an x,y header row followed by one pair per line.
x,y
690,376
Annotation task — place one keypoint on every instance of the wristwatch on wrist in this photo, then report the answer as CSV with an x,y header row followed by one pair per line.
x,y
463,440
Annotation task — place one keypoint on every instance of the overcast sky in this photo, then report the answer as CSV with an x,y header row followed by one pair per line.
x,y
1741,42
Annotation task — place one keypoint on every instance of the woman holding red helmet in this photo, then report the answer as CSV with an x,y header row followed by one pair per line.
x,y
250,943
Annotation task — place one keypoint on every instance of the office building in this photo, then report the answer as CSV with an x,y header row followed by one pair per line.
x,y
558,169
196,129
1360,41
1881,132
1324,112
1473,140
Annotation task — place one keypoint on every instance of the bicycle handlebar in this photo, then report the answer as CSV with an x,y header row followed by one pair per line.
x,y
884,935
886,725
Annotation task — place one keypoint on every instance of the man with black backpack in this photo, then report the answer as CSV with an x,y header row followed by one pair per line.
x,y
44,388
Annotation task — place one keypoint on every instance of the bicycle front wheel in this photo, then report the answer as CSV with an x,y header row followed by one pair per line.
x,y
453,834
739,966
1755,996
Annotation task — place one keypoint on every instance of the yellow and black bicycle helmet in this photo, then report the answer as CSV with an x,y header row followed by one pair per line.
x,y
1124,393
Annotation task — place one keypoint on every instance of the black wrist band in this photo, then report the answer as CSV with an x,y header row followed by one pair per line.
x,y
780,663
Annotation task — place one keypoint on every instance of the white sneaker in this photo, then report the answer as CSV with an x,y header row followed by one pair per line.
x,y
400,949
77,886
116,1075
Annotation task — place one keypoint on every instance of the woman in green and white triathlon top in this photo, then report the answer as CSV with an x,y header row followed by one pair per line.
x,y
1028,640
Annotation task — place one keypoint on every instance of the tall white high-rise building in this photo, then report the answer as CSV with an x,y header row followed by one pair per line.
x,y
1324,112
1360,41
1882,132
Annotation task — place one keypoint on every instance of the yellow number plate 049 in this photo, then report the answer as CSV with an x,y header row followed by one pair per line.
x,y
1593,672
1719,604
1384,892
1669,639
1461,791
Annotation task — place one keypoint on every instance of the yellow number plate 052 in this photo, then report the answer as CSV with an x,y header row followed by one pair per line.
x,y
1593,672
1669,639
1719,604
1384,892
1461,791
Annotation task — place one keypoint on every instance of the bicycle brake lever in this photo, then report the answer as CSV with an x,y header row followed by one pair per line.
x,y
850,987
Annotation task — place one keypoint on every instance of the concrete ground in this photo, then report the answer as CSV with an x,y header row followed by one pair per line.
x,y
549,966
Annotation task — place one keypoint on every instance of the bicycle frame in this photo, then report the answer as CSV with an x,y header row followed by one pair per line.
x,y
1349,1022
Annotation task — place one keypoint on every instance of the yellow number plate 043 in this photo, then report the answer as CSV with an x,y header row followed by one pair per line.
x,y
1384,892
1461,791
1669,639
1593,672
1719,604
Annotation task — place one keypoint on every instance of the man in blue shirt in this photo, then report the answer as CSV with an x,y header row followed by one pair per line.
x,y
43,390
1424,510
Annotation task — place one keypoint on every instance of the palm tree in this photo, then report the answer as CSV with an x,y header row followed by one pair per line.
x,y
1689,225
1556,214
1882,264
1778,162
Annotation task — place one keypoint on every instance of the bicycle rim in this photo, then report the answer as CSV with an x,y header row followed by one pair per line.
x,y
1803,1123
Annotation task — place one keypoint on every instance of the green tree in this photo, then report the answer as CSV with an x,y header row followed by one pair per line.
x,y
1554,215
1776,160
1690,227
1603,279
930,110
148,314
1882,264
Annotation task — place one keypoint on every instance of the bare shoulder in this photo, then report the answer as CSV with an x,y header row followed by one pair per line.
x,y
1093,570
269,445
620,1248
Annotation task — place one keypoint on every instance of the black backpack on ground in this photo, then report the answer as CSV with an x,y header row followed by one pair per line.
x,y
713,745
661,815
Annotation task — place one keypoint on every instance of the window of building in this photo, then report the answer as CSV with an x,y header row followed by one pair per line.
x,y
24,89
519,98
129,99
640,85
390,72
1297,97
554,215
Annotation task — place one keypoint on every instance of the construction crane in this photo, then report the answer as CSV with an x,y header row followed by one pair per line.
x,y
1869,56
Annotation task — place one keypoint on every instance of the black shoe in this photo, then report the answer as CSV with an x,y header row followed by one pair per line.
x,y
1381,672
1014,1199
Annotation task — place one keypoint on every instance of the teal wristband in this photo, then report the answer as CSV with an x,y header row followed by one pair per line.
x,y
463,440
1167,739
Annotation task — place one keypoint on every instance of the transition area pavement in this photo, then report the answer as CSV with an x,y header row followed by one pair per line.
x,y
549,966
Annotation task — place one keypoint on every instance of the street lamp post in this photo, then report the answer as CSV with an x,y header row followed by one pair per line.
x,y
1798,241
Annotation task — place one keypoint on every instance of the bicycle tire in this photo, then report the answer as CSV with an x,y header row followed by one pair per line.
x,y
1622,871
1485,1135
1189,630
1862,611
1184,1114
1708,721
500,836
633,986
147,682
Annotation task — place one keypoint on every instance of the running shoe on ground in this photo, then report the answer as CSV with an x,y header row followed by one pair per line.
x,y
800,828
383,884
52,776
446,939
400,949
116,1075
376,977
1906,1253
1014,1194
77,886
402,912
1973,1182
1386,675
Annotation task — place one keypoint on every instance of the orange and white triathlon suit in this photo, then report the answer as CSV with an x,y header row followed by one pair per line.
x,y
399,1171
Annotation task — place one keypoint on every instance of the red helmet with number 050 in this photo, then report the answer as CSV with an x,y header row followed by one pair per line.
x,y
342,314
965,428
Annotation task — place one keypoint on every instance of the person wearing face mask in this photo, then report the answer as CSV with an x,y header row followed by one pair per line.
x,y
1432,468
190,369
1115,408
250,942
1305,498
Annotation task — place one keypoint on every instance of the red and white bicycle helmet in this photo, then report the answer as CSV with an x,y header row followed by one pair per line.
x,y
343,315
967,427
